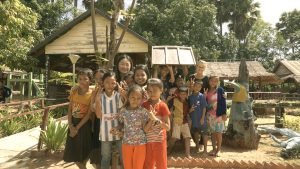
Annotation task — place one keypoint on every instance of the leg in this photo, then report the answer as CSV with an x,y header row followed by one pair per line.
x,y
205,143
119,147
149,160
197,139
174,138
106,154
160,154
187,147
185,130
213,137
171,144
219,142
127,152
139,155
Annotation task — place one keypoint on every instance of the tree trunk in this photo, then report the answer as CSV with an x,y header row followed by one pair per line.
x,y
94,28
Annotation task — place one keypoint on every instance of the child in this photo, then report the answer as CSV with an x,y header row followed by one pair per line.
x,y
168,79
140,76
78,144
216,114
128,78
198,104
108,104
134,117
124,65
180,120
156,154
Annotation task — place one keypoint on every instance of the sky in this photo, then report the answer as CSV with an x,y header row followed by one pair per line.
x,y
271,10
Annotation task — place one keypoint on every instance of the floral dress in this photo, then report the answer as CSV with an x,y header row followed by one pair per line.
x,y
216,124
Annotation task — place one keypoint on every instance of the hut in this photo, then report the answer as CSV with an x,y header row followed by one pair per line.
x,y
257,73
76,38
289,73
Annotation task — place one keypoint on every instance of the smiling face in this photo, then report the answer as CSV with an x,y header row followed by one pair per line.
x,y
98,78
83,81
109,84
140,77
183,96
135,99
213,82
124,66
197,87
200,68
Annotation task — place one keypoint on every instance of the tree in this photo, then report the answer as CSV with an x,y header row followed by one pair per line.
x,y
52,16
181,22
243,16
18,33
289,28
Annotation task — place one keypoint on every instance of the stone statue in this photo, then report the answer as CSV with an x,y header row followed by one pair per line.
x,y
241,131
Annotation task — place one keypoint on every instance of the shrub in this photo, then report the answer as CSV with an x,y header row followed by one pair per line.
x,y
54,136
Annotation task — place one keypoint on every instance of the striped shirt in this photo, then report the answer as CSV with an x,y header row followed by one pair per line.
x,y
109,119
156,133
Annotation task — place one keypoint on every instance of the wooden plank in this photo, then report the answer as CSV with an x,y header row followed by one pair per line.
x,y
172,57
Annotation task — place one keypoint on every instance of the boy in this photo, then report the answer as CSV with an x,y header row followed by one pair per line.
x,y
198,104
180,120
156,154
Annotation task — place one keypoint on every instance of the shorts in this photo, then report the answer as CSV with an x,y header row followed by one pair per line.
x,y
181,129
203,130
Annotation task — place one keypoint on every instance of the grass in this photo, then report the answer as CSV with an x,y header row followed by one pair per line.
x,y
292,122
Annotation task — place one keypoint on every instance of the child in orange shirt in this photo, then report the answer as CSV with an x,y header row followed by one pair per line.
x,y
156,147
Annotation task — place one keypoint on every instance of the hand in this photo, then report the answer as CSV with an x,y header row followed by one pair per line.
x,y
202,121
170,98
73,131
205,91
192,82
152,114
192,109
116,132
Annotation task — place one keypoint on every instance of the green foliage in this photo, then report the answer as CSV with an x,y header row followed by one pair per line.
x,y
180,22
52,15
61,78
292,122
18,33
59,112
55,135
289,28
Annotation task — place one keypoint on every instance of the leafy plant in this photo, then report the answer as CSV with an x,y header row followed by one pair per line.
x,y
292,122
55,135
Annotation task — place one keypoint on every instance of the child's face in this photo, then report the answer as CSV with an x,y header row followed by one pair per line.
x,y
140,77
200,68
213,82
135,99
98,78
179,82
124,66
183,96
154,92
83,81
129,80
109,84
197,87
164,71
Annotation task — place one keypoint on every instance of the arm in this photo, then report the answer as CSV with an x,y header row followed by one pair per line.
x,y
185,70
98,105
155,74
172,77
165,123
203,115
148,125
84,120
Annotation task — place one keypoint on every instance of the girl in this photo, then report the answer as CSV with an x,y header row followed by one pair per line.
x,y
156,154
78,144
108,102
140,76
168,79
124,65
216,112
134,119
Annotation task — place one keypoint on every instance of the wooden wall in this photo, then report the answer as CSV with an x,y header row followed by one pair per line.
x,y
79,39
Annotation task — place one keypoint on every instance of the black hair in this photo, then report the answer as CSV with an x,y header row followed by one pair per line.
x,y
116,68
128,75
108,74
142,67
155,82
179,75
87,72
131,89
100,70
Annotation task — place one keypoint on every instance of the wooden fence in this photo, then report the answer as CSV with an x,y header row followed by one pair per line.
x,y
42,109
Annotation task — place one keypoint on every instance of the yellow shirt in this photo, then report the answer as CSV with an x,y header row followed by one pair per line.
x,y
80,103
241,95
178,112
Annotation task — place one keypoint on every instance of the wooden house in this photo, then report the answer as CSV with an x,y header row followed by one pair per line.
x,y
76,38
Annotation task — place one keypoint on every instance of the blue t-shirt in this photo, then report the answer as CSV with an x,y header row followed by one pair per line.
x,y
200,102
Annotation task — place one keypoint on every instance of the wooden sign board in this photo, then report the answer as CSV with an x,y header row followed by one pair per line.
x,y
172,55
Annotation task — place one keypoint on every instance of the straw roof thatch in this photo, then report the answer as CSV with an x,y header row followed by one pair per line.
x,y
288,70
230,70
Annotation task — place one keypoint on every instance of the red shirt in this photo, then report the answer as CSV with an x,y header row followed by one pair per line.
x,y
156,133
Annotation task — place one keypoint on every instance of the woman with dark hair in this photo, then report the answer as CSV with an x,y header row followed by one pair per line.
x,y
123,66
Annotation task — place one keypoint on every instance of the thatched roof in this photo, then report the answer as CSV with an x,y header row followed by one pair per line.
x,y
230,70
288,70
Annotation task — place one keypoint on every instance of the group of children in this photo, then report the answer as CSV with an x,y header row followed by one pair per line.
x,y
130,111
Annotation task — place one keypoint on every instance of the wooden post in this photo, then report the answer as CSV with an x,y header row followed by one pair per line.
x,y
23,85
279,116
30,85
8,84
43,127
47,67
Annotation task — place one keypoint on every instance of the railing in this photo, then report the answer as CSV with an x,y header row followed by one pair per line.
x,y
43,108
269,96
